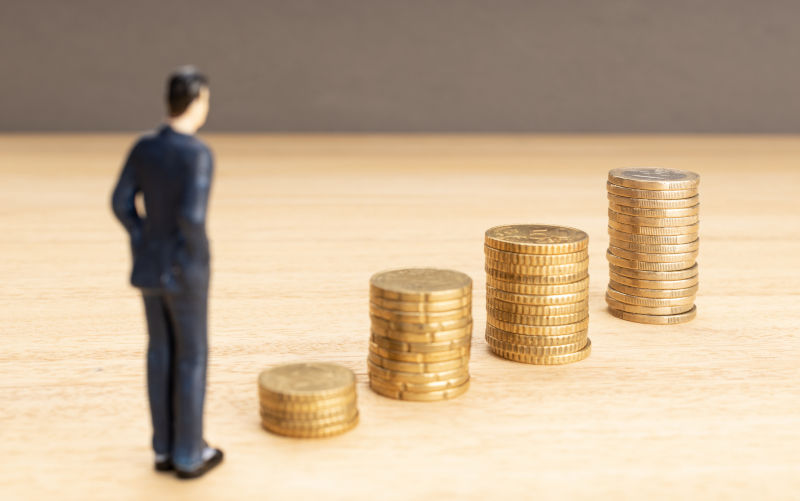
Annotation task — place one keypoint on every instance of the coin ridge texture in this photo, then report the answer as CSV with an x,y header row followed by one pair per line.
x,y
323,432
647,310
678,318
445,394
536,270
536,299
568,358
653,212
650,194
649,203
534,259
538,289
534,340
655,275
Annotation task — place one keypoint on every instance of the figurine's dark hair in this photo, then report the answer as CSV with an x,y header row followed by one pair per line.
x,y
183,87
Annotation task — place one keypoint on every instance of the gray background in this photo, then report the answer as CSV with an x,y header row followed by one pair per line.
x,y
407,65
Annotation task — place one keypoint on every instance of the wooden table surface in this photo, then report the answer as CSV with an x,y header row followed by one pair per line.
x,y
706,410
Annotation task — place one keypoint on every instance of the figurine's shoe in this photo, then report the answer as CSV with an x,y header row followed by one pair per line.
x,y
164,465
214,459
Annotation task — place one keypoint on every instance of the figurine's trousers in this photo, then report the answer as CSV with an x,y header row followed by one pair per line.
x,y
177,356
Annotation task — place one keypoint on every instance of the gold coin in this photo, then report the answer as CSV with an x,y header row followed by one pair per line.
x,y
654,178
538,320
535,351
426,337
510,297
419,317
538,290
345,416
655,319
420,284
423,306
313,415
538,330
645,203
661,257
654,284
532,309
423,347
650,194
534,259
651,239
647,310
649,301
535,279
550,360
425,367
405,356
388,391
306,407
536,239
327,431
655,230
654,293
306,381
527,340
415,377
632,264
652,221
419,328
645,212
421,387
520,269
655,249
655,275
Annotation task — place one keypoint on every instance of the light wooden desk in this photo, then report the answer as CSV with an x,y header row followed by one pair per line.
x,y
706,410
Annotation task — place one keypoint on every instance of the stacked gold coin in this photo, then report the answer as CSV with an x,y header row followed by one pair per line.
x,y
421,333
653,221
537,287
308,400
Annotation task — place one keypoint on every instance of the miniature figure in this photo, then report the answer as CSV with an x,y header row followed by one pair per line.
x,y
172,170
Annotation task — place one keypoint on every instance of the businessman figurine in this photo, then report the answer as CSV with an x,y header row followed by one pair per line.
x,y
172,171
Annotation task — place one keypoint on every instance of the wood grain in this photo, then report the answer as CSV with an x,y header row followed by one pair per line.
x,y
710,409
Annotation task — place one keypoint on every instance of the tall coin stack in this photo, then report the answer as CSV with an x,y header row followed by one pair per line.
x,y
309,400
537,285
421,333
653,221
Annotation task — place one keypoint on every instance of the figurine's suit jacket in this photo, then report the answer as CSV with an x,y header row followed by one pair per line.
x,y
169,245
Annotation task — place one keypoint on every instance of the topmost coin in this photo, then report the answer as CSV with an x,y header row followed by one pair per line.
x,y
307,381
654,178
420,284
536,239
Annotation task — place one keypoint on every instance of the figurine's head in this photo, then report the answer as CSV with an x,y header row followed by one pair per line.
x,y
187,98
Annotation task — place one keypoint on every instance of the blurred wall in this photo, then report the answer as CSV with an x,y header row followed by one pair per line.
x,y
407,65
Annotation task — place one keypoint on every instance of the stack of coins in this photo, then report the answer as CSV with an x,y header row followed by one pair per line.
x,y
421,333
308,400
537,285
653,220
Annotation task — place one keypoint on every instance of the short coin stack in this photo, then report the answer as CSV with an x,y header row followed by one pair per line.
x,y
308,400
537,284
421,333
653,221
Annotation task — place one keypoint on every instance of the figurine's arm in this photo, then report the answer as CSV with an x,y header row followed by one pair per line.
x,y
194,206
123,202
